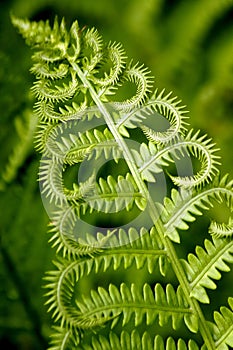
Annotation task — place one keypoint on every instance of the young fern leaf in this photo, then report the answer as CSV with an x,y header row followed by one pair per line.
x,y
41,70
45,91
50,176
127,249
170,108
203,150
63,235
116,55
42,135
77,76
131,302
92,41
167,107
47,113
100,143
51,141
221,230
207,265
150,159
140,76
122,253
223,330
114,195
63,339
183,206
134,340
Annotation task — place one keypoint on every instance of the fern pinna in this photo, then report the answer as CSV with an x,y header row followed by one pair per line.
x,y
125,150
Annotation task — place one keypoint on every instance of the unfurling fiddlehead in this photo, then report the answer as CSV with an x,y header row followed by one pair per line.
x,y
82,123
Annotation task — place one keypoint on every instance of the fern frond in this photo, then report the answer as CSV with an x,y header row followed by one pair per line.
x,y
108,195
166,106
42,134
44,90
180,209
221,230
184,205
129,246
58,296
93,42
207,265
100,143
64,143
50,177
52,43
74,45
55,140
46,112
73,66
129,302
223,330
150,159
51,169
63,339
45,71
74,111
102,305
33,32
64,236
114,195
171,109
127,249
203,150
116,55
52,185
134,340
128,120
140,76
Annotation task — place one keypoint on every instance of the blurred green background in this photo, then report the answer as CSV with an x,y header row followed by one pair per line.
x,y
188,46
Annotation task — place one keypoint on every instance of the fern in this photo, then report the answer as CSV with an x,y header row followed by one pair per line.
x,y
83,124
25,130
207,265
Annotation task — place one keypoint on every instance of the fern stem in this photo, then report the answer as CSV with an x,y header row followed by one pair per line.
x,y
119,139
154,213
178,269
